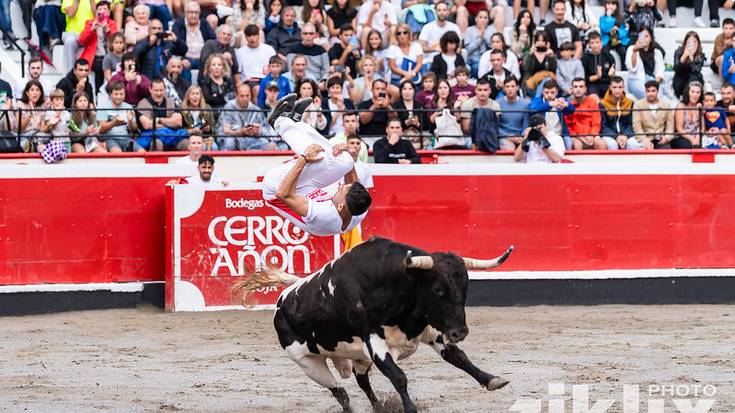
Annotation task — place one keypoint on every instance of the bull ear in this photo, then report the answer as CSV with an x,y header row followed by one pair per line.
x,y
422,263
473,264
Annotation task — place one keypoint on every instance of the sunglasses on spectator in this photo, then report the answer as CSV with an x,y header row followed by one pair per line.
x,y
308,32
401,32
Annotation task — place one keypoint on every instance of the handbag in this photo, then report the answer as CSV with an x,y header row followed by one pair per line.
x,y
448,131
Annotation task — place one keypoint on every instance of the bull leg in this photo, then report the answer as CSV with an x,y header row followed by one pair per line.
x,y
456,357
361,370
384,361
316,368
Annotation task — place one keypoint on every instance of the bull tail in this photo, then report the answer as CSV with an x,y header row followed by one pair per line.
x,y
263,278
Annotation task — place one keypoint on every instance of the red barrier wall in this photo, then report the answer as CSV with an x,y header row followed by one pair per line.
x,y
82,230
110,228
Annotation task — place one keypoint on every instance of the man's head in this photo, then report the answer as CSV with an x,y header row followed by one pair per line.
x,y
117,93
308,34
155,26
157,90
728,27
726,93
354,142
196,145
378,88
579,88
206,167
353,198
288,16
345,32
566,50
243,96
497,60
193,13
550,90
298,66
538,121
510,87
652,91
174,67
482,91
350,122
442,11
594,42
710,100
617,87
81,69
560,9
35,67
224,34
252,36
393,129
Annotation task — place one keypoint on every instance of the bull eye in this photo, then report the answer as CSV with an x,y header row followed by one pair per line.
x,y
437,290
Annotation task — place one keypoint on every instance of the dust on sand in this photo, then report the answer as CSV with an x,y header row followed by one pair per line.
x,y
146,360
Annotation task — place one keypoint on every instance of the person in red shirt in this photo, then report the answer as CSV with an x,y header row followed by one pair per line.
x,y
93,38
585,123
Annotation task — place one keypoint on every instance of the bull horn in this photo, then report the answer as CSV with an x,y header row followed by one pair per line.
x,y
422,263
474,264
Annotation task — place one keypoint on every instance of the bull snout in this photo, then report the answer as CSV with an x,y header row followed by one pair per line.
x,y
456,335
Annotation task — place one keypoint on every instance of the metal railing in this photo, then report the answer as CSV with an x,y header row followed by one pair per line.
x,y
10,128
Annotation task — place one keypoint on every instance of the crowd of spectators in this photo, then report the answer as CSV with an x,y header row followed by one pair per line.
x,y
409,74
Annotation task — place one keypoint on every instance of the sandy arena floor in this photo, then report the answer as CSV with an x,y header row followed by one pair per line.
x,y
147,360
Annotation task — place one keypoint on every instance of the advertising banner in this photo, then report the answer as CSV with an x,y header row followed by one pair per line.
x,y
218,235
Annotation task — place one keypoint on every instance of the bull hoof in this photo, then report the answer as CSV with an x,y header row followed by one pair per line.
x,y
496,383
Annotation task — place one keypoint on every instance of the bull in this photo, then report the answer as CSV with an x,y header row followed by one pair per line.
x,y
373,306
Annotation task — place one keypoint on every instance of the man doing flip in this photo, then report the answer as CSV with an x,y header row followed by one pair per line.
x,y
304,190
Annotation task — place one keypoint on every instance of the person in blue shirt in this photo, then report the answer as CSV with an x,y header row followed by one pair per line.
x,y
275,65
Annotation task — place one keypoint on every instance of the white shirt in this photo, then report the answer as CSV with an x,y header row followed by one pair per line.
x,y
196,179
254,62
378,22
395,52
363,174
192,166
537,154
322,218
431,33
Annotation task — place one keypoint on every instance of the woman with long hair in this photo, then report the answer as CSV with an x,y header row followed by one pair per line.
x,y
274,15
581,15
645,62
687,121
522,34
198,116
374,46
539,65
410,112
339,14
442,100
84,125
313,114
477,40
405,58
688,63
362,87
31,122
613,30
313,12
217,85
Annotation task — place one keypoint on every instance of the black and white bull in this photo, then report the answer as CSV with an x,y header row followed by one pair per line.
x,y
374,305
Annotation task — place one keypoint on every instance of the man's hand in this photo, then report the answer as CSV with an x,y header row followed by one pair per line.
x,y
587,140
393,139
622,140
313,153
80,85
404,162
339,148
130,76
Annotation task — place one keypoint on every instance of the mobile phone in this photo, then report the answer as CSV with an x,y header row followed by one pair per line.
x,y
354,42
339,68
381,95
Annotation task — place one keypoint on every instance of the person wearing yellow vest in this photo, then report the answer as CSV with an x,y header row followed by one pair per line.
x,y
77,13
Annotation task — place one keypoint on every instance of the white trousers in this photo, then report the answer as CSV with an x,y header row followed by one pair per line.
x,y
316,175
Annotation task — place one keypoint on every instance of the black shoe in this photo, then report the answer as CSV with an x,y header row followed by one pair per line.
x,y
283,105
299,108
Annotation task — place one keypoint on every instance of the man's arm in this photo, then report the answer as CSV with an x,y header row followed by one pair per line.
x,y
174,121
286,192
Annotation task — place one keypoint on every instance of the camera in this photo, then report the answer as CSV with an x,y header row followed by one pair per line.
x,y
161,35
382,95
534,134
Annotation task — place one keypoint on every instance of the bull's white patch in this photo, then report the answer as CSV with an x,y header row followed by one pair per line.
x,y
380,349
331,288
398,343
355,350
313,365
